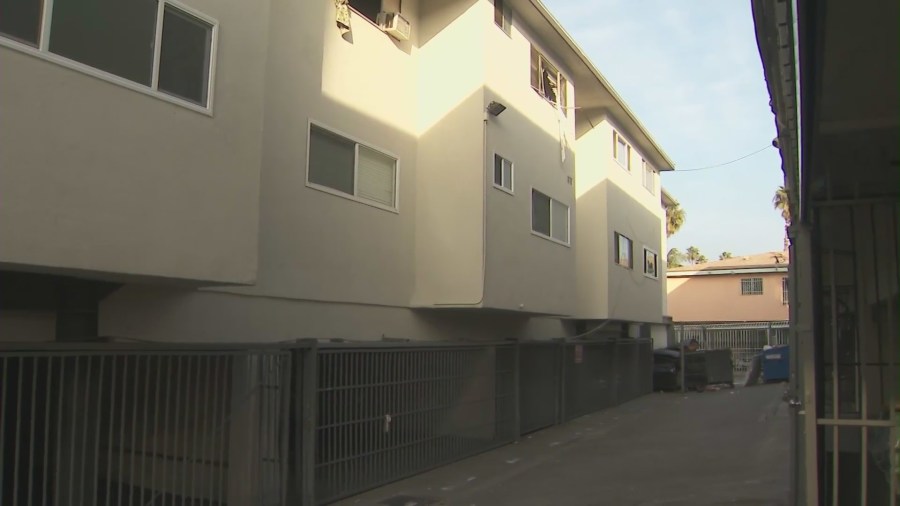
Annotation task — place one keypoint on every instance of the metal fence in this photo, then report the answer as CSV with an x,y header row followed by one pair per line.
x,y
745,340
142,426
301,423
384,414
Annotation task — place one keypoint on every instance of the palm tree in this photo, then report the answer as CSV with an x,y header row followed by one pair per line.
x,y
693,255
674,258
725,255
782,202
674,218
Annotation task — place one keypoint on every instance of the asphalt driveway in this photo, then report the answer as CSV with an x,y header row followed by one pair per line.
x,y
729,447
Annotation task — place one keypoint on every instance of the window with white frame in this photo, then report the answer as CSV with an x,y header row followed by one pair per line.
x,y
157,44
503,174
651,264
503,16
549,217
624,255
621,151
785,298
751,286
548,82
339,164
649,177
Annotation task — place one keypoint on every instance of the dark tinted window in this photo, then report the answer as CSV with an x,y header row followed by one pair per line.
x,y
540,212
185,56
368,8
21,20
111,35
331,160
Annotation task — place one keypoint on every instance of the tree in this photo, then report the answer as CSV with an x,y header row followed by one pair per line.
x,y
674,218
725,255
693,256
782,202
674,258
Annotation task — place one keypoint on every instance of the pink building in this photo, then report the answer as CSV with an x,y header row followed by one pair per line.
x,y
745,288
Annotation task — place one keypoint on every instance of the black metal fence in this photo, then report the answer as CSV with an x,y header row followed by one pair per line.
x,y
303,423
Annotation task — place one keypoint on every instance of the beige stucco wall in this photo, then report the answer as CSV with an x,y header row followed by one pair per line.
x,y
718,298
611,199
526,272
100,178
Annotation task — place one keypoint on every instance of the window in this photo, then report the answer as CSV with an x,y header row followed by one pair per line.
x,y
367,8
549,217
649,180
621,151
503,173
548,82
651,266
751,286
785,298
503,16
623,251
345,166
119,38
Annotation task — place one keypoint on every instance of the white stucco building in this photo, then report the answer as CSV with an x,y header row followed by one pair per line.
x,y
249,171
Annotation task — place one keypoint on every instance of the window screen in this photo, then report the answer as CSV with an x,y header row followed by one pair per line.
x,y
21,20
185,56
559,226
115,36
376,176
331,160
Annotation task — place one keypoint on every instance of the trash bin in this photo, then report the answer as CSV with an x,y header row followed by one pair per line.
x,y
776,363
719,367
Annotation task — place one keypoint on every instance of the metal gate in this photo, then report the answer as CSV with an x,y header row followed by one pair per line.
x,y
856,354
387,412
539,384
745,340
92,424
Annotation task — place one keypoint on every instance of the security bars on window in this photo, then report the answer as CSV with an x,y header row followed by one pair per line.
x,y
751,286
154,46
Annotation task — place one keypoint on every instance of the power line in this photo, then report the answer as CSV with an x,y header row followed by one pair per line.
x,y
760,150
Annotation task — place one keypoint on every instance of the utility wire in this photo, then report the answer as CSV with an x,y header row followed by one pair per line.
x,y
767,146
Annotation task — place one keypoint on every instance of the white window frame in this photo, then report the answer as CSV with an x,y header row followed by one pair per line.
x,y
616,138
649,177
506,17
512,175
785,291
644,260
568,241
356,144
750,286
616,236
43,52
562,83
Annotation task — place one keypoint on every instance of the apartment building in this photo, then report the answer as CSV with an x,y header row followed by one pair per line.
x,y
747,288
266,171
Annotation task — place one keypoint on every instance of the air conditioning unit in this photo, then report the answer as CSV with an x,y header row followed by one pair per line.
x,y
393,24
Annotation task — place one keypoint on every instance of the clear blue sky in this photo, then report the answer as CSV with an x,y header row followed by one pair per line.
x,y
691,72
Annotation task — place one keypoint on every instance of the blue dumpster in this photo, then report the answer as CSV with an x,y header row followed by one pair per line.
x,y
776,363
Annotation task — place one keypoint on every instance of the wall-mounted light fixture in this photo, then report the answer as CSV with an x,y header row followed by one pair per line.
x,y
495,108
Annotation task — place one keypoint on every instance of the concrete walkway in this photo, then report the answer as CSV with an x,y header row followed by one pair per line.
x,y
729,447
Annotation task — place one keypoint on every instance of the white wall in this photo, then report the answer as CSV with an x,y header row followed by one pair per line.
x,y
101,178
613,199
